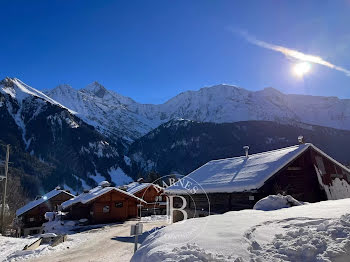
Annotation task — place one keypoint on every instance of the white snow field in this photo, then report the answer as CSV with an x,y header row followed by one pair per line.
x,y
10,245
102,243
313,232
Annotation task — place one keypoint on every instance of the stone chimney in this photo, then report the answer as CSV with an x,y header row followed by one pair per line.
x,y
246,148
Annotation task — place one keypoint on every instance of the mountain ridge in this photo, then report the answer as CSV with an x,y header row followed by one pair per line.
x,y
218,104
181,146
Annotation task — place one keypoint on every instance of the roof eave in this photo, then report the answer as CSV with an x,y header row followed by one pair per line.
x,y
329,157
111,189
62,191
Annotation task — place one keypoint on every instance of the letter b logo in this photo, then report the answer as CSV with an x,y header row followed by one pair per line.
x,y
171,209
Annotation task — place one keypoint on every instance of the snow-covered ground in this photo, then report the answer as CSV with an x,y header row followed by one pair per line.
x,y
313,232
10,245
275,202
154,218
101,243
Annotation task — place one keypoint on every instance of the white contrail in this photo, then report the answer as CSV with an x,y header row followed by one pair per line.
x,y
293,53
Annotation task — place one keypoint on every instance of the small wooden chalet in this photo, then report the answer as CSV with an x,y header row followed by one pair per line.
x,y
302,171
103,204
31,216
152,194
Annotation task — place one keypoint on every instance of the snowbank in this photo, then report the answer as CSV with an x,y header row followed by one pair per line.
x,y
153,218
59,227
10,245
275,202
314,232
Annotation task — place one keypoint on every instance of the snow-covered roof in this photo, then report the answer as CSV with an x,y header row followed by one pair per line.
x,y
93,194
241,173
135,187
39,201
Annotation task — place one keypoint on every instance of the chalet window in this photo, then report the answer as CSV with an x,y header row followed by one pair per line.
x,y
34,231
158,198
105,209
31,219
119,204
251,198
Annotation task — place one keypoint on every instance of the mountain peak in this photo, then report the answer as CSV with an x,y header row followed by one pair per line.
x,y
64,86
96,89
7,82
272,90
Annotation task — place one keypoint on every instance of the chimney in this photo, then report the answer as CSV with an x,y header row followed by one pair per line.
x,y
301,140
104,184
246,148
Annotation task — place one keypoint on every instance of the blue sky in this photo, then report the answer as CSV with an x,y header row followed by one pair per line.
x,y
153,50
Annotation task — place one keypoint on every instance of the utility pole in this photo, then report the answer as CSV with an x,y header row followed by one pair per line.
x,y
5,188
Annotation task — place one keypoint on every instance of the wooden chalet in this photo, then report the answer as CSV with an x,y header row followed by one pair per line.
x,y
152,194
302,171
103,204
31,216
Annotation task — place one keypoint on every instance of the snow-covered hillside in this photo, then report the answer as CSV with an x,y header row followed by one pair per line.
x,y
76,154
21,91
108,111
116,114
309,233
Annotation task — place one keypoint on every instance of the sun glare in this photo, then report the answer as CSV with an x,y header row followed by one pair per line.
x,y
302,68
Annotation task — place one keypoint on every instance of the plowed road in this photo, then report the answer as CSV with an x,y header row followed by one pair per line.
x,y
110,243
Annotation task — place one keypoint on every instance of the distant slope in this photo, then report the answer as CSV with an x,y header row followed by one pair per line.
x,y
182,146
105,110
54,147
116,115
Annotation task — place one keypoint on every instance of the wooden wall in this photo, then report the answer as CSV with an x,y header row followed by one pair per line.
x,y
154,206
334,178
149,194
110,207
297,179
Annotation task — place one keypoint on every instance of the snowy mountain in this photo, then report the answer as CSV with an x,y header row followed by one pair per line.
x,y
111,113
40,129
115,114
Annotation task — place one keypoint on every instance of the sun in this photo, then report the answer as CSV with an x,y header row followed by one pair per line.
x,y
302,68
